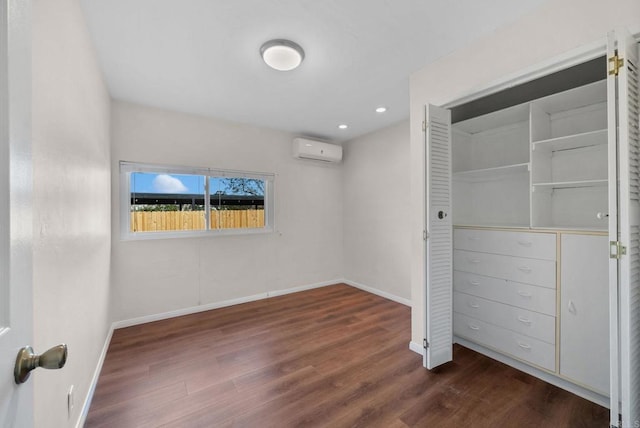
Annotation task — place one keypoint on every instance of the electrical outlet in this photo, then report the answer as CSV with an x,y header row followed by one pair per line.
x,y
70,401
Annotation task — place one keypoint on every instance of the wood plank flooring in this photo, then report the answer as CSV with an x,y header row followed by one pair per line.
x,y
330,357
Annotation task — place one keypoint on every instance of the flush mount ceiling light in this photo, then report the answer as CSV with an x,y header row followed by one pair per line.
x,y
343,126
381,109
282,55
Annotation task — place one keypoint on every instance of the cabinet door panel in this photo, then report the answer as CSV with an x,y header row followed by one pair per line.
x,y
584,311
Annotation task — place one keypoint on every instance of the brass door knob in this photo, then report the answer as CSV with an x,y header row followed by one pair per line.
x,y
27,360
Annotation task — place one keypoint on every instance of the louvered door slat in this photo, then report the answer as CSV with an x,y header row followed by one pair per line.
x,y
439,244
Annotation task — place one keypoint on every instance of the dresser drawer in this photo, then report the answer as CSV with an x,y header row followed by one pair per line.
x,y
528,271
517,345
532,324
518,244
524,296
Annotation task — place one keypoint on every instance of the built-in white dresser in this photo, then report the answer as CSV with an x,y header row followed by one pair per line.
x,y
515,294
505,292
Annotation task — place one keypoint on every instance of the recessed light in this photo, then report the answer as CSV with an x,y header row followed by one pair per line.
x,y
282,55
381,109
343,126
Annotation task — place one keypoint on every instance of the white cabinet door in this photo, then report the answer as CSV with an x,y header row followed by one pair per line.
x,y
439,287
584,313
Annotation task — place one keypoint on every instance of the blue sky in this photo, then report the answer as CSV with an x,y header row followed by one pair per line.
x,y
143,182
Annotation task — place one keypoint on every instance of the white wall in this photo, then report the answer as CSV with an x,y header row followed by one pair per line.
x,y
71,206
161,275
376,203
553,29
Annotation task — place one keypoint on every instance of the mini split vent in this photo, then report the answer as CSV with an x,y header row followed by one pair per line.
x,y
316,150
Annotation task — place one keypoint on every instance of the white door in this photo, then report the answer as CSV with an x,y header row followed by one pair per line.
x,y
584,330
624,115
439,274
16,402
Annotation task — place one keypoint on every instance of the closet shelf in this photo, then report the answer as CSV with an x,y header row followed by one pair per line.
x,y
571,184
571,227
497,225
575,141
491,173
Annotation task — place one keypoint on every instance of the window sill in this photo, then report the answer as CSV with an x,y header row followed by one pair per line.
x,y
143,236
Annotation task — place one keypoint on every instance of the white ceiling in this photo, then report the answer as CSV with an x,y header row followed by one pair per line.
x,y
202,56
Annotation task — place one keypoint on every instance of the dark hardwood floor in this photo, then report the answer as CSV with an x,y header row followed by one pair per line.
x,y
334,356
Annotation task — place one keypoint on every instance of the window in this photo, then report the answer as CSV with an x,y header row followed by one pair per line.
x,y
162,202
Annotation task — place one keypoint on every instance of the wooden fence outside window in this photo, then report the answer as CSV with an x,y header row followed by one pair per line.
x,y
157,221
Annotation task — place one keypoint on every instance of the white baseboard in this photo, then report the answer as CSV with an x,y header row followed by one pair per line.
x,y
303,288
547,377
218,305
380,293
94,380
416,347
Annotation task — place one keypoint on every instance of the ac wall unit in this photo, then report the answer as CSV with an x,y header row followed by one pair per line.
x,y
316,150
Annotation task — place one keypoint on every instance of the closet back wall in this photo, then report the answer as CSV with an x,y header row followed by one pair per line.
x,y
160,275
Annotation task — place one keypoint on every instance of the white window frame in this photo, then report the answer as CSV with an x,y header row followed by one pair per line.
x,y
127,168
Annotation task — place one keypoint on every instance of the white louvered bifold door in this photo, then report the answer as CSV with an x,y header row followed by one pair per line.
x,y
614,301
628,115
439,305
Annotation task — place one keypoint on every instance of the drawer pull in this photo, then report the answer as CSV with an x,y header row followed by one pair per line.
x,y
524,345
524,320
525,243
474,327
473,238
474,305
525,294
525,269
474,282
474,261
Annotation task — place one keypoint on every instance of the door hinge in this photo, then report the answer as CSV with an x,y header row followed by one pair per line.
x,y
425,235
615,64
619,422
424,125
616,250
425,344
